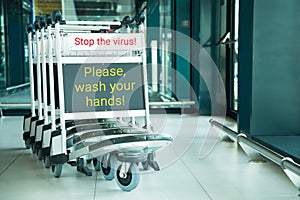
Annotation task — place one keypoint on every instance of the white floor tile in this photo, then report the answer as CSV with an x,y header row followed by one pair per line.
x,y
224,173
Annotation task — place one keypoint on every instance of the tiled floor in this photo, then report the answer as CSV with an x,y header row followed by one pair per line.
x,y
196,166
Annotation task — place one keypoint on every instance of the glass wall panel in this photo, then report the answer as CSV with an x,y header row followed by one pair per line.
x,y
235,53
26,12
96,9
166,45
2,48
14,69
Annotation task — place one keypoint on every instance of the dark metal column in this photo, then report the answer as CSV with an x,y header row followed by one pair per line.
x,y
245,63
15,42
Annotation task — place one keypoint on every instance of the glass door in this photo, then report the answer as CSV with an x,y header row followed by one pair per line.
x,y
227,50
233,64
166,76
26,10
160,36
235,52
2,48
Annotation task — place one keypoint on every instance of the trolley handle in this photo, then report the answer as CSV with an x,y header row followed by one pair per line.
x,y
49,20
139,19
56,16
114,25
29,28
37,25
107,23
42,22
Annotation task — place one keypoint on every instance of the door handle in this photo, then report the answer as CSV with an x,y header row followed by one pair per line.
x,y
229,42
224,38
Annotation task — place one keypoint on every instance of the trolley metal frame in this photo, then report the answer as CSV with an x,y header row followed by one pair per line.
x,y
71,137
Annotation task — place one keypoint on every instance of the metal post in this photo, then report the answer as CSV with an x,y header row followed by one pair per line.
x,y
31,74
51,77
154,65
147,109
44,72
61,89
38,71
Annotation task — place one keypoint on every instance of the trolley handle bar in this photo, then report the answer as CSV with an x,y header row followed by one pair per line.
x,y
117,23
86,28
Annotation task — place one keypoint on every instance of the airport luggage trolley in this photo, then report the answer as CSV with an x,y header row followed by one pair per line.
x,y
37,127
99,76
38,76
31,117
42,68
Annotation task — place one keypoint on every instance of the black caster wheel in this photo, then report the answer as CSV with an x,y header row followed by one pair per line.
x,y
56,170
108,171
33,148
96,163
27,143
89,161
127,181
46,162
39,153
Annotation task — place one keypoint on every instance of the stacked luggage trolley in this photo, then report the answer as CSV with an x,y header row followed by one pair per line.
x,y
88,86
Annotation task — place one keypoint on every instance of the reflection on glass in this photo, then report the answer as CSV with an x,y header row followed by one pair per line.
x,y
26,19
91,10
161,74
166,48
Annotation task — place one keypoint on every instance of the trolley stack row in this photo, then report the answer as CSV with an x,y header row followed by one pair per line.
x,y
88,86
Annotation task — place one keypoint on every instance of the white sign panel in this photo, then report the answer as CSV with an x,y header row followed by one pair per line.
x,y
104,41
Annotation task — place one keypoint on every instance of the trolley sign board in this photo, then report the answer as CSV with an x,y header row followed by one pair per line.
x,y
103,87
104,41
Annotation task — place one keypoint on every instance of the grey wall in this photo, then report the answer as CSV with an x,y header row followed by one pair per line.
x,y
276,68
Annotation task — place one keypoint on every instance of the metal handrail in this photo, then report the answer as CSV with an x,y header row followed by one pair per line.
x,y
227,130
284,162
172,103
17,86
117,23
272,155
5,105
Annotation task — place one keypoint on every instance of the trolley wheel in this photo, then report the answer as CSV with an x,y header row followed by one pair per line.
x,y
108,172
89,161
96,163
46,161
128,181
39,153
27,143
146,165
56,170
33,148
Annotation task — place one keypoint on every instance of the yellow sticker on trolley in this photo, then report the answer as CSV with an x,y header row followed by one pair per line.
x,y
103,87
